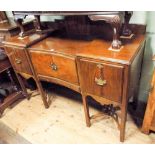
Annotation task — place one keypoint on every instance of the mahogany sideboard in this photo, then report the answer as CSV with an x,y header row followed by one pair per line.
x,y
88,67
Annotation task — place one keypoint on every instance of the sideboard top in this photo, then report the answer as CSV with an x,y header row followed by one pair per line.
x,y
96,49
24,41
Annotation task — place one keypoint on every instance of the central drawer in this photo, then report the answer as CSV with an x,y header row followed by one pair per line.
x,y
55,65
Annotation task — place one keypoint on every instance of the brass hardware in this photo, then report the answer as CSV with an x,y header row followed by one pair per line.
x,y
18,61
100,81
100,66
54,67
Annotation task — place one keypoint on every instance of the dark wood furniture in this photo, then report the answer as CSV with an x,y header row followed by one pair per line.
x,y
16,50
5,66
87,67
114,18
149,117
8,29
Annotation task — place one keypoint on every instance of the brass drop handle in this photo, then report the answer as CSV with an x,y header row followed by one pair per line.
x,y
18,61
54,67
99,81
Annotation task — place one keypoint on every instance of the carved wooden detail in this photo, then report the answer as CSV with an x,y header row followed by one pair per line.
x,y
115,22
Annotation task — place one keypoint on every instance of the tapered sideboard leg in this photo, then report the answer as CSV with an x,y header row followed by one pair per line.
x,y
86,110
22,86
123,122
42,93
124,104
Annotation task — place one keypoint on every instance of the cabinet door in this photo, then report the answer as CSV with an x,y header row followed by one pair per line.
x,y
101,79
18,59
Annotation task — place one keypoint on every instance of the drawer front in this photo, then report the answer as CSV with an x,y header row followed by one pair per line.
x,y
54,65
18,59
101,79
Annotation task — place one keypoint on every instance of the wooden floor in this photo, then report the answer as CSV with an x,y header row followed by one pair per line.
x,y
8,136
64,122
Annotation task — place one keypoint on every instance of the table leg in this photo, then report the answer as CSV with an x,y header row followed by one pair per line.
x,y
86,110
24,91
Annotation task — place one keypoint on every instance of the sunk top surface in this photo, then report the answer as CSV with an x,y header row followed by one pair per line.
x,y
23,41
96,49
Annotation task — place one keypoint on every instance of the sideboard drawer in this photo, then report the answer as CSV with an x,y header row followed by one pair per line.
x,y
101,79
18,59
55,65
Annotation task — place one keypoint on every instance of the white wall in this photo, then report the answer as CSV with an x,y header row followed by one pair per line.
x,y
148,65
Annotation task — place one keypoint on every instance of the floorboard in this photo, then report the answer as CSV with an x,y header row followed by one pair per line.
x,y
64,122
8,136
